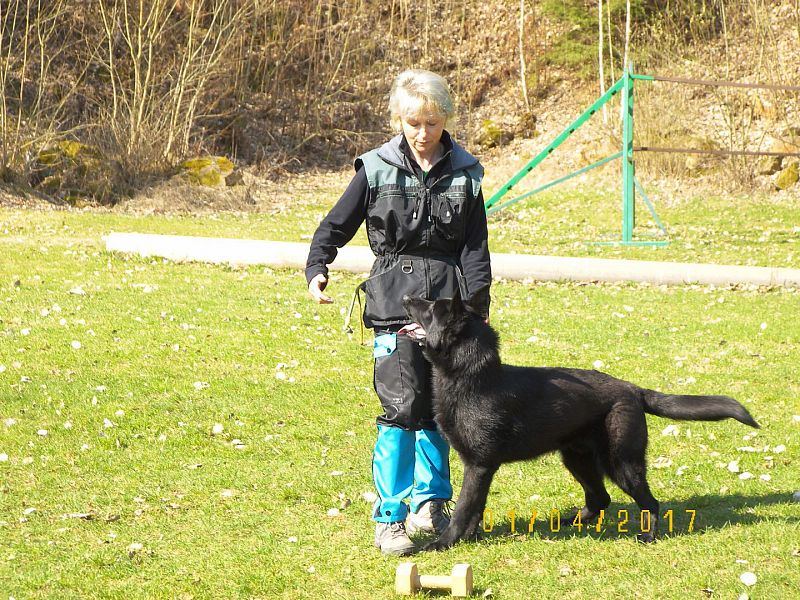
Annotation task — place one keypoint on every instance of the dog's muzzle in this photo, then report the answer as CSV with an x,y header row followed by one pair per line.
x,y
414,330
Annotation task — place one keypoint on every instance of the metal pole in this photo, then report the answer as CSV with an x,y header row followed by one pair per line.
x,y
628,191
554,144
541,188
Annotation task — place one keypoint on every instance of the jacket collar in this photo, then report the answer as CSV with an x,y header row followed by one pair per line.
x,y
397,153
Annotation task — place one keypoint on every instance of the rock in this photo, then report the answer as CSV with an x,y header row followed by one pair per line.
x,y
235,178
491,135
75,172
787,177
769,165
207,171
526,126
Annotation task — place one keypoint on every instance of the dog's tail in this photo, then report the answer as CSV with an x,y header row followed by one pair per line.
x,y
696,408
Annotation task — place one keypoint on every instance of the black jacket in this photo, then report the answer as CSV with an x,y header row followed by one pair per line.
x,y
429,235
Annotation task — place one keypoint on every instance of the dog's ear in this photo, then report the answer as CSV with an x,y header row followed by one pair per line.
x,y
456,304
479,301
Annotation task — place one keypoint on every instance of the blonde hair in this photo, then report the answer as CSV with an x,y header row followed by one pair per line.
x,y
417,90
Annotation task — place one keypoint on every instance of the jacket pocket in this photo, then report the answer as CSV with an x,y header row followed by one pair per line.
x,y
385,290
446,278
448,214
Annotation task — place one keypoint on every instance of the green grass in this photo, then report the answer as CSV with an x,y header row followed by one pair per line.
x,y
169,350
757,230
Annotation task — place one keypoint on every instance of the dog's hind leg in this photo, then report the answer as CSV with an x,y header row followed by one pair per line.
x,y
627,444
469,508
585,469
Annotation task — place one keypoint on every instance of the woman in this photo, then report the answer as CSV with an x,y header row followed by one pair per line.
x,y
420,195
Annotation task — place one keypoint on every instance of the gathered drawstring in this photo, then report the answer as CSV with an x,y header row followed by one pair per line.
x,y
349,315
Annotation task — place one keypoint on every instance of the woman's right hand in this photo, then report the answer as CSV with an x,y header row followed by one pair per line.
x,y
315,287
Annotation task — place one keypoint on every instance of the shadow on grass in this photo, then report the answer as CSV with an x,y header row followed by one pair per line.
x,y
694,515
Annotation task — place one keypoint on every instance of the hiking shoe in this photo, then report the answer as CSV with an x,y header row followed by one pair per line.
x,y
430,518
392,538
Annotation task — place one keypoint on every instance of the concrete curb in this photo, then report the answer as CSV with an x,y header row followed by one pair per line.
x,y
358,259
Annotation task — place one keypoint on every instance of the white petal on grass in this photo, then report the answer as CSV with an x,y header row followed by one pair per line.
x,y
107,423
68,425
779,448
369,497
733,466
77,291
28,511
745,476
748,578
3,370
217,429
3,457
10,422
671,430
337,473
292,539
42,433
227,493
200,385
598,364
134,549
76,345
765,477
662,462
333,512
25,331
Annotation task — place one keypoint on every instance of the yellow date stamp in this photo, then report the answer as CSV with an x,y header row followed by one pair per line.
x,y
623,523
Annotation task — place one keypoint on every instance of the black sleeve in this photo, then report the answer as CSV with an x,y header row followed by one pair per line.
x,y
339,226
475,261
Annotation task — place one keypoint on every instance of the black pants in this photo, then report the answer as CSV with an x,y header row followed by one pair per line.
x,y
402,380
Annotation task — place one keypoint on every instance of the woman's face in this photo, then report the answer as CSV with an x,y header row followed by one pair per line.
x,y
423,132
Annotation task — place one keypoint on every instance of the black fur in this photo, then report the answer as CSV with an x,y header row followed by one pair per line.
x,y
492,413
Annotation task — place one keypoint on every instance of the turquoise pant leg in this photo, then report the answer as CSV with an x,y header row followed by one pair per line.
x,y
431,468
393,473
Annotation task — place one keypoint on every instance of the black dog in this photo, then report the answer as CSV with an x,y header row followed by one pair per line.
x,y
493,413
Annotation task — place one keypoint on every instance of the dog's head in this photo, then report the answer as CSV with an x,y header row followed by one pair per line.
x,y
439,324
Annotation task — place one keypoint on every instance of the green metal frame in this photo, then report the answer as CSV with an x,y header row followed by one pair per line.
x,y
629,183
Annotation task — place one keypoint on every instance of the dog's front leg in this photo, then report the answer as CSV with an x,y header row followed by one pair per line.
x,y
469,507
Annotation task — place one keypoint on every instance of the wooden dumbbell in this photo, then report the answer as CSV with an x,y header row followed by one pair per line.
x,y
408,581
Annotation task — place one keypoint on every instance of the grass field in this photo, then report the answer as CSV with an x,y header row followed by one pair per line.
x,y
184,430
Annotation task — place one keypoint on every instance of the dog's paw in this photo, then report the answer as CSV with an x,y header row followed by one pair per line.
x,y
435,546
647,537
